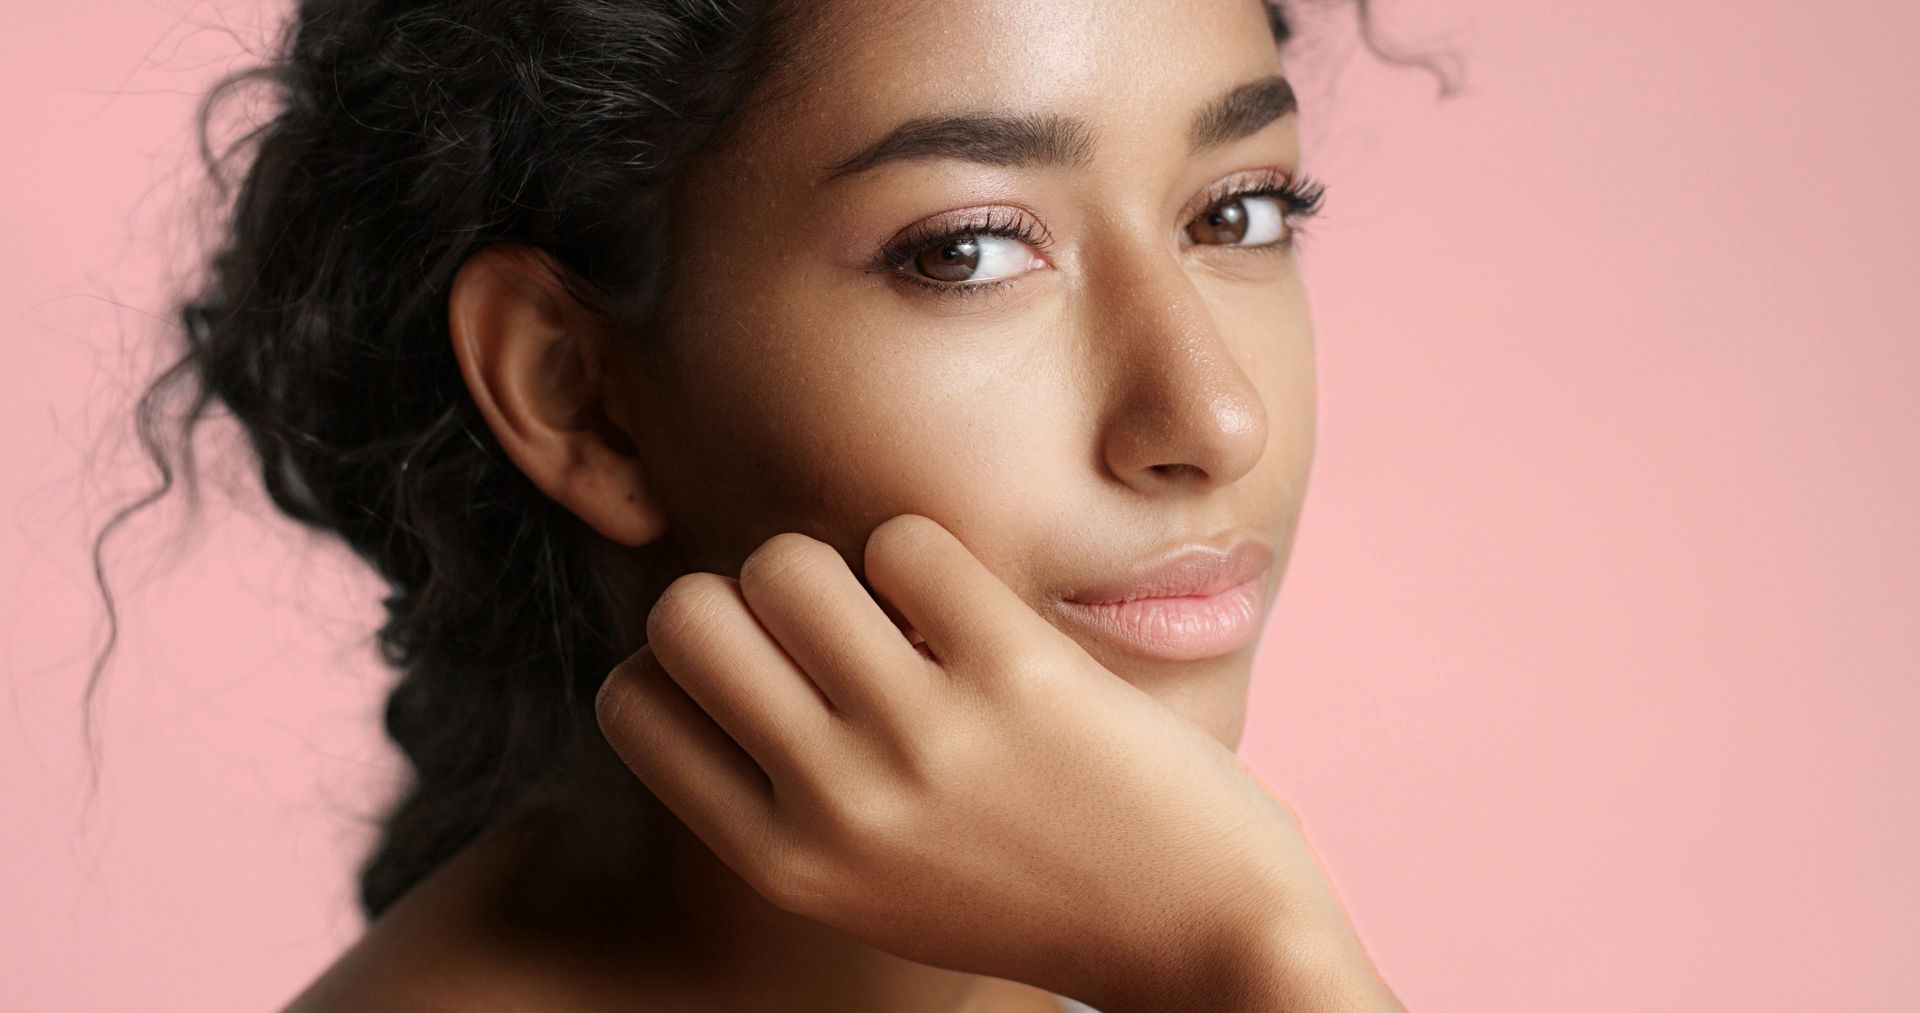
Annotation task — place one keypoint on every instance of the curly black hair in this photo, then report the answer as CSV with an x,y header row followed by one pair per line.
x,y
406,135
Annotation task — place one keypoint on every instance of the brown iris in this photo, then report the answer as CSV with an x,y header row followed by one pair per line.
x,y
1225,223
954,261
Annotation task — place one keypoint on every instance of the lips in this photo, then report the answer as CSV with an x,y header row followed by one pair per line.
x,y
1184,572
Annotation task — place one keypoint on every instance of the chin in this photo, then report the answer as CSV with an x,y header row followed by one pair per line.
x,y
1210,694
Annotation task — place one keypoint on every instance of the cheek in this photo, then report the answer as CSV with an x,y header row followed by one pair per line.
x,y
1279,352
829,430
1294,409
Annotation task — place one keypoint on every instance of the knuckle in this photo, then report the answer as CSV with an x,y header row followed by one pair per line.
x,y
1023,680
615,695
937,755
867,822
786,555
685,607
793,881
623,709
897,534
1025,669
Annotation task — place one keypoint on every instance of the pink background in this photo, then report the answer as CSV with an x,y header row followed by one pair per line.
x,y
1595,676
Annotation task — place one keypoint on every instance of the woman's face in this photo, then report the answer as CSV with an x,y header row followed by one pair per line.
x,y
1127,376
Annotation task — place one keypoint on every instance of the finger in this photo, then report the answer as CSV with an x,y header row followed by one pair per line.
x,y
960,607
686,760
707,639
802,591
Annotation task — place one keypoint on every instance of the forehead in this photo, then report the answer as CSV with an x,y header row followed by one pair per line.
x,y
854,69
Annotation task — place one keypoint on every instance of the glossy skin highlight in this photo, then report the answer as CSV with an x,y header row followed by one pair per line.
x,y
1123,388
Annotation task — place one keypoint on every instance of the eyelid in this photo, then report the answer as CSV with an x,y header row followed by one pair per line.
x,y
1271,179
1019,224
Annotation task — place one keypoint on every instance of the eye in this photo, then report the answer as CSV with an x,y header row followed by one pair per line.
x,y
972,259
966,256
1242,221
1263,214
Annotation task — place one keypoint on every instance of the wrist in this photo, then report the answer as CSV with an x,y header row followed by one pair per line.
x,y
1262,966
1273,967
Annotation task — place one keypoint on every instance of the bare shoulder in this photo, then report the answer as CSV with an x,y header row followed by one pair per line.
x,y
335,997
422,960
444,947
402,966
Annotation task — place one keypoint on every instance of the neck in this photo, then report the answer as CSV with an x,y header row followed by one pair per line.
x,y
612,876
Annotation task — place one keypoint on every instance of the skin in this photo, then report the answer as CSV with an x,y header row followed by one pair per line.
x,y
748,463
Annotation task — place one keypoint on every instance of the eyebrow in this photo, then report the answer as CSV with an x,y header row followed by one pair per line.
x,y
1053,139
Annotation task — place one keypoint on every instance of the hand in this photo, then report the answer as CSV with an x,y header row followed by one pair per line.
x,y
991,800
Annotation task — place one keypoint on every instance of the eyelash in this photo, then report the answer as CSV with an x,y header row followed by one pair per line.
x,y
1300,196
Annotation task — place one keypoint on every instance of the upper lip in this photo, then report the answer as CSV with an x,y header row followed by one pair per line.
x,y
1183,571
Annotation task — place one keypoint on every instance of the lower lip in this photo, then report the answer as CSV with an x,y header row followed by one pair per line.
x,y
1178,629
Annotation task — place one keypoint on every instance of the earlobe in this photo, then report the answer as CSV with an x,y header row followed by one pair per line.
x,y
531,357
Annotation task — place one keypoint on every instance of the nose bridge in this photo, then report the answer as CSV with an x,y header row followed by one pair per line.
x,y
1181,401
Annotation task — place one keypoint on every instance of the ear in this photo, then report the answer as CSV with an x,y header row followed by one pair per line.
x,y
532,357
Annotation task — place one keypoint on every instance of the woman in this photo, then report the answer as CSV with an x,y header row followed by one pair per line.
x,y
832,461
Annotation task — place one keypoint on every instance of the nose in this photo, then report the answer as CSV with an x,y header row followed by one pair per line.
x,y
1181,408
